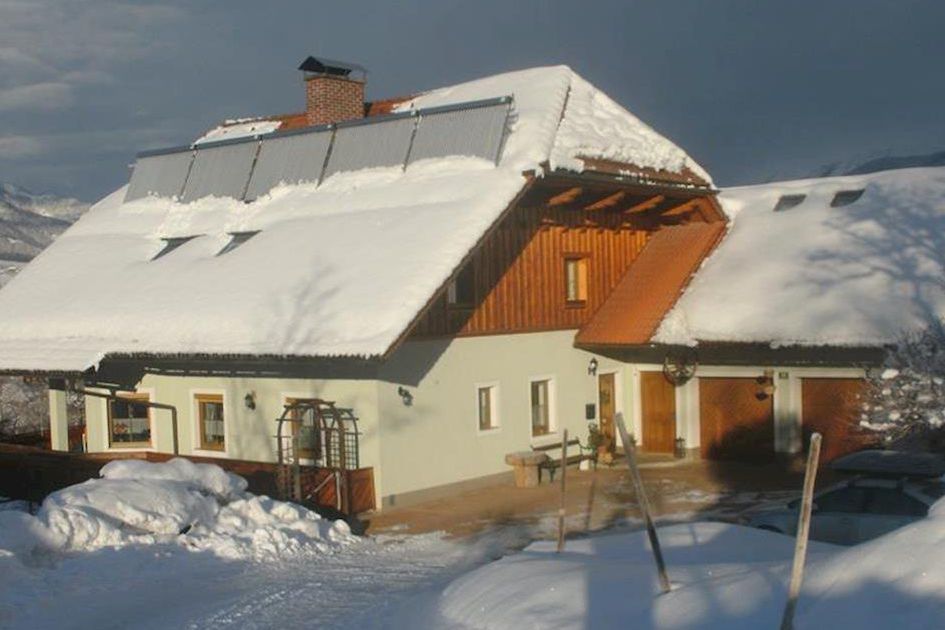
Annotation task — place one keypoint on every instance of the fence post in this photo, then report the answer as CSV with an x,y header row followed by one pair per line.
x,y
803,529
564,475
630,451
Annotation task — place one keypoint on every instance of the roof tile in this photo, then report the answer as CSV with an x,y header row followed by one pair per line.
x,y
651,285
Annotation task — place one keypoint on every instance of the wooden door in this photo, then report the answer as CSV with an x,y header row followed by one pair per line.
x,y
736,419
608,407
832,407
658,404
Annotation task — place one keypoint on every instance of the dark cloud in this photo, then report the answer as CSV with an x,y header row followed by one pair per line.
x,y
753,90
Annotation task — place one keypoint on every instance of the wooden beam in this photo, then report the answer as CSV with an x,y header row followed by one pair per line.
x,y
652,202
683,208
607,202
565,197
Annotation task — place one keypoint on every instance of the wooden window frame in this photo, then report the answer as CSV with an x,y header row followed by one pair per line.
x,y
495,421
550,407
109,419
453,299
582,261
199,399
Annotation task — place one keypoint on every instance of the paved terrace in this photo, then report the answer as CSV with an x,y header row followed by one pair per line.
x,y
596,500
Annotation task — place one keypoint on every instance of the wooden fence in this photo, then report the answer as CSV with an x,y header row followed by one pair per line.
x,y
31,473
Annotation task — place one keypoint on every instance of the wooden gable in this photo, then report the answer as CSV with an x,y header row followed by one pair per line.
x,y
519,270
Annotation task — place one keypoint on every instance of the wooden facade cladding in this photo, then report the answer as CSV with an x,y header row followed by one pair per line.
x,y
519,272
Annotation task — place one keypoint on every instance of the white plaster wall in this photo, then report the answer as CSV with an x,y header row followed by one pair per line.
x,y
250,433
436,439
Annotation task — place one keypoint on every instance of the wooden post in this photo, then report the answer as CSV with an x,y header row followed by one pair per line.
x,y
564,475
630,451
803,529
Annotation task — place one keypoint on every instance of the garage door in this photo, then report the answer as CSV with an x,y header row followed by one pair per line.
x,y
831,407
736,419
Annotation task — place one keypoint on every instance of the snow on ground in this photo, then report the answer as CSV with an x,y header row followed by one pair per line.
x,y
178,544
723,576
182,545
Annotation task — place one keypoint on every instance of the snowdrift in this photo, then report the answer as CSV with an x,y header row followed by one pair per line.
x,y
724,576
199,506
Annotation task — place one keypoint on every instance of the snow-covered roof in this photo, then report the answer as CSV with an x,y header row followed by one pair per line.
x,y
241,128
337,269
858,274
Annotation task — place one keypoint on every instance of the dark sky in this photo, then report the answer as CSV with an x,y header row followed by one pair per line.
x,y
752,89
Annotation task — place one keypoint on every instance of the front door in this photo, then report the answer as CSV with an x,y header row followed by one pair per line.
x,y
658,406
607,400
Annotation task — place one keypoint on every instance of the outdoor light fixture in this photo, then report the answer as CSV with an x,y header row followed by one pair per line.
x,y
405,395
592,367
766,382
250,400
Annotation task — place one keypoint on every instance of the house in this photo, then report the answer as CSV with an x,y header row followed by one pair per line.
x,y
813,281
466,272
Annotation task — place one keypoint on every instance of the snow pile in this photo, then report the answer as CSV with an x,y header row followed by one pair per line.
x,y
723,576
199,506
860,274
896,580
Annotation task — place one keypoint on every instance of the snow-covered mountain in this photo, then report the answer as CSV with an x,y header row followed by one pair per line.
x,y
879,162
28,223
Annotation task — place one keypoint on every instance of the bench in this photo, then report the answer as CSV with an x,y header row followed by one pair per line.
x,y
577,453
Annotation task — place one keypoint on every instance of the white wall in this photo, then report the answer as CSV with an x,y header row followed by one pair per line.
x,y
436,440
250,434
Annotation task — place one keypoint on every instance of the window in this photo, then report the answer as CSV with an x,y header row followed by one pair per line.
x,y
786,202
210,422
849,500
237,239
172,243
575,274
303,425
487,407
129,424
845,198
462,290
894,502
541,407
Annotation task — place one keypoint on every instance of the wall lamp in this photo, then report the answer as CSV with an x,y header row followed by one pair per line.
x,y
250,400
592,367
405,395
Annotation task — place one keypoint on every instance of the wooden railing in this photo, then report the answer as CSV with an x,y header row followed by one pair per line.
x,y
31,473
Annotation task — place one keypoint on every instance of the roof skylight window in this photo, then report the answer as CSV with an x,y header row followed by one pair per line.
x,y
846,197
172,243
237,239
786,202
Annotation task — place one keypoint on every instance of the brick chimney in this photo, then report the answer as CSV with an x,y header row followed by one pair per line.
x,y
334,90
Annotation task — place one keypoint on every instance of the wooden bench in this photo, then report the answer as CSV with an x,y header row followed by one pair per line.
x,y
577,453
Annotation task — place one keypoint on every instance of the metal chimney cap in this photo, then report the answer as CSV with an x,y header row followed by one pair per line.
x,y
323,65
